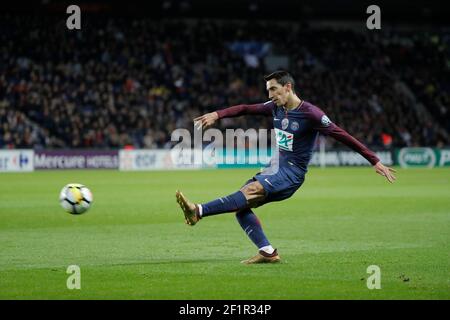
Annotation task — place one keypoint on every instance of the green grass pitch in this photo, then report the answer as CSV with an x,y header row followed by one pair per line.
x,y
133,243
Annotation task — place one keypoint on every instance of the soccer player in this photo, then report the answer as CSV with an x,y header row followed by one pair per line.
x,y
297,124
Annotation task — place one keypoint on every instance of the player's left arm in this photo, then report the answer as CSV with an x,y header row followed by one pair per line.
x,y
343,136
325,126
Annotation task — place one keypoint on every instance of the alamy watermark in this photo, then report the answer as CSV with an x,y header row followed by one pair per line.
x,y
74,20
237,147
74,280
374,280
374,20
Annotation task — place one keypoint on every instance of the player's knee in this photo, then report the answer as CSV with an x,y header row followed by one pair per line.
x,y
253,189
258,188
247,190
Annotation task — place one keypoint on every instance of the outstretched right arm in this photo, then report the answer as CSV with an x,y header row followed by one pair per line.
x,y
208,119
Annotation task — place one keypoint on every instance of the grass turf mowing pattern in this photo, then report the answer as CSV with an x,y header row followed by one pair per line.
x,y
133,243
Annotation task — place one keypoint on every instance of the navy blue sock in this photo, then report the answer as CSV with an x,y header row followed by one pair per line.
x,y
252,227
231,203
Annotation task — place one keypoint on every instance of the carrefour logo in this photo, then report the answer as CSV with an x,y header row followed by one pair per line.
x,y
23,160
20,161
16,160
417,157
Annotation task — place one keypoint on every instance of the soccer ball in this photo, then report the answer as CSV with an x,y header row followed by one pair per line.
x,y
75,198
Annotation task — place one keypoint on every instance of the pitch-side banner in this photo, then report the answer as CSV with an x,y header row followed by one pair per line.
x,y
190,159
17,160
423,157
348,158
159,159
327,158
76,159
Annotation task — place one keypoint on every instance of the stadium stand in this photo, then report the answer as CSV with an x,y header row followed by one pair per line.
x,y
122,81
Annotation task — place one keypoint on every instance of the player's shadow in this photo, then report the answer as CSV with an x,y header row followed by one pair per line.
x,y
189,261
181,261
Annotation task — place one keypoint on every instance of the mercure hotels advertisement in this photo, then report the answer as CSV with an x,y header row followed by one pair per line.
x,y
76,159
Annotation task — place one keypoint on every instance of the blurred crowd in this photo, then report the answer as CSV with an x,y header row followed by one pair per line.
x,y
131,82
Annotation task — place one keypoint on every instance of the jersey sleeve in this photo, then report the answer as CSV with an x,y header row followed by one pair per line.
x,y
323,124
243,109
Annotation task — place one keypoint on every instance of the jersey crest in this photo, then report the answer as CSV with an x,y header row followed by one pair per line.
x,y
284,123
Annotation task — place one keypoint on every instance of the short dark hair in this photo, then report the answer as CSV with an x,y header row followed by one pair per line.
x,y
282,77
